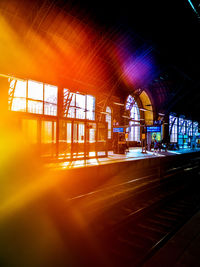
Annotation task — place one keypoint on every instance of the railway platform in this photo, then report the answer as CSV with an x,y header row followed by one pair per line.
x,y
132,155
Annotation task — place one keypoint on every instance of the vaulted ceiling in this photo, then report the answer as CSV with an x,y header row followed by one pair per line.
x,y
107,46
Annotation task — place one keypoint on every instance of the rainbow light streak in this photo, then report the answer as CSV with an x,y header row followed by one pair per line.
x,y
58,49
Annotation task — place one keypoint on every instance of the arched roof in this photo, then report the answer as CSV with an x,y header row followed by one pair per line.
x,y
104,46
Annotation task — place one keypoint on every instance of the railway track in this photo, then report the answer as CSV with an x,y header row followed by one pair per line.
x,y
131,227
134,239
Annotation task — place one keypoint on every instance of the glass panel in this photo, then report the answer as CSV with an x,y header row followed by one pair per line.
x,y
90,103
47,132
134,133
80,101
80,113
130,102
75,134
190,133
81,133
50,109
91,135
80,104
50,96
35,107
108,120
50,93
71,113
19,99
90,115
35,90
19,104
20,89
195,128
69,132
173,128
68,103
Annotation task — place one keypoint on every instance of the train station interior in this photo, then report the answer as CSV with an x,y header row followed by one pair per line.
x,y
100,133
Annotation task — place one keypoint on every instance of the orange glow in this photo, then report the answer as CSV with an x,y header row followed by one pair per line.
x,y
60,49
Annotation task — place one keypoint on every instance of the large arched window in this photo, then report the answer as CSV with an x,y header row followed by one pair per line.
x,y
108,120
134,129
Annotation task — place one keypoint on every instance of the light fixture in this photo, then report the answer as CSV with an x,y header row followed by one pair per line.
x,y
127,117
106,113
119,104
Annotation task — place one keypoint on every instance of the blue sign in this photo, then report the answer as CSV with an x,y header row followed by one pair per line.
x,y
153,129
118,130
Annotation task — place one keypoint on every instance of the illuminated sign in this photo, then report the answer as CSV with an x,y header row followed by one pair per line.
x,y
151,129
156,136
118,130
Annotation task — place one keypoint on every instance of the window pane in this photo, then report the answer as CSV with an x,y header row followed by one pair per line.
x,y
47,132
35,107
19,100
173,128
69,132
20,89
68,103
195,128
90,103
80,101
80,113
19,104
108,120
50,109
134,134
50,93
75,134
71,113
90,115
81,132
35,90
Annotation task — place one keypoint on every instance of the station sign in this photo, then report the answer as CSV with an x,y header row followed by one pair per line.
x,y
153,129
118,130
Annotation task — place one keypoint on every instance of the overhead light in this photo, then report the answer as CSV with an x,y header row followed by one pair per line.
x,y
106,113
161,114
119,104
127,117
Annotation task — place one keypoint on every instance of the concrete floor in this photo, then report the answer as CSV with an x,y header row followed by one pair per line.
x,y
134,153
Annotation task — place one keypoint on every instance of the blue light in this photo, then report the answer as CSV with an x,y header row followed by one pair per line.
x,y
118,130
190,2
151,129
